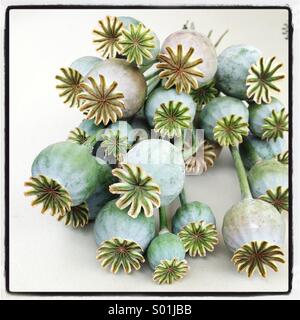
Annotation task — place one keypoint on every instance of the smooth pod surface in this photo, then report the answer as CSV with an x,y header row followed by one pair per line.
x,y
259,112
101,195
161,95
112,222
165,246
252,148
192,212
252,220
72,166
85,64
267,175
218,108
203,47
233,65
130,81
164,163
124,128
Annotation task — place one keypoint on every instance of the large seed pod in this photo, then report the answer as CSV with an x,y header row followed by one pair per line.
x,y
254,231
225,120
203,49
268,121
64,174
162,96
253,149
164,163
233,69
252,220
130,82
122,239
268,180
165,256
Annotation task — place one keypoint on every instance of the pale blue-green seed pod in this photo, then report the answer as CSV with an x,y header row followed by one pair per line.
x,y
252,220
164,163
253,149
233,65
72,166
259,112
161,95
267,175
166,246
192,212
85,64
112,222
218,108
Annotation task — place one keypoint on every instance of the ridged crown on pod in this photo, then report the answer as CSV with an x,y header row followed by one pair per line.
x,y
203,49
164,163
218,109
130,82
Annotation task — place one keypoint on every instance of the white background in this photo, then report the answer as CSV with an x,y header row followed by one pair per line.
x,y
45,255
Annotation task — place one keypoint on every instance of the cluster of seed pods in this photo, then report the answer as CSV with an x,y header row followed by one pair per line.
x,y
121,164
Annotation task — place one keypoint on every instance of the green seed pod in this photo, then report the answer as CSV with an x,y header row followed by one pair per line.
x,y
163,162
64,174
195,224
268,180
268,121
225,120
122,239
165,256
233,69
253,149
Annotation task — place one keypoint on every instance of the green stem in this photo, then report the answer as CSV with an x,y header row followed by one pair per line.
x,y
163,221
241,172
182,197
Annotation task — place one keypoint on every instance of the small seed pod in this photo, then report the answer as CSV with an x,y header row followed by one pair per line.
x,y
166,257
169,112
122,239
253,149
124,97
254,231
225,121
268,180
268,121
233,69
164,163
193,54
64,175
195,224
